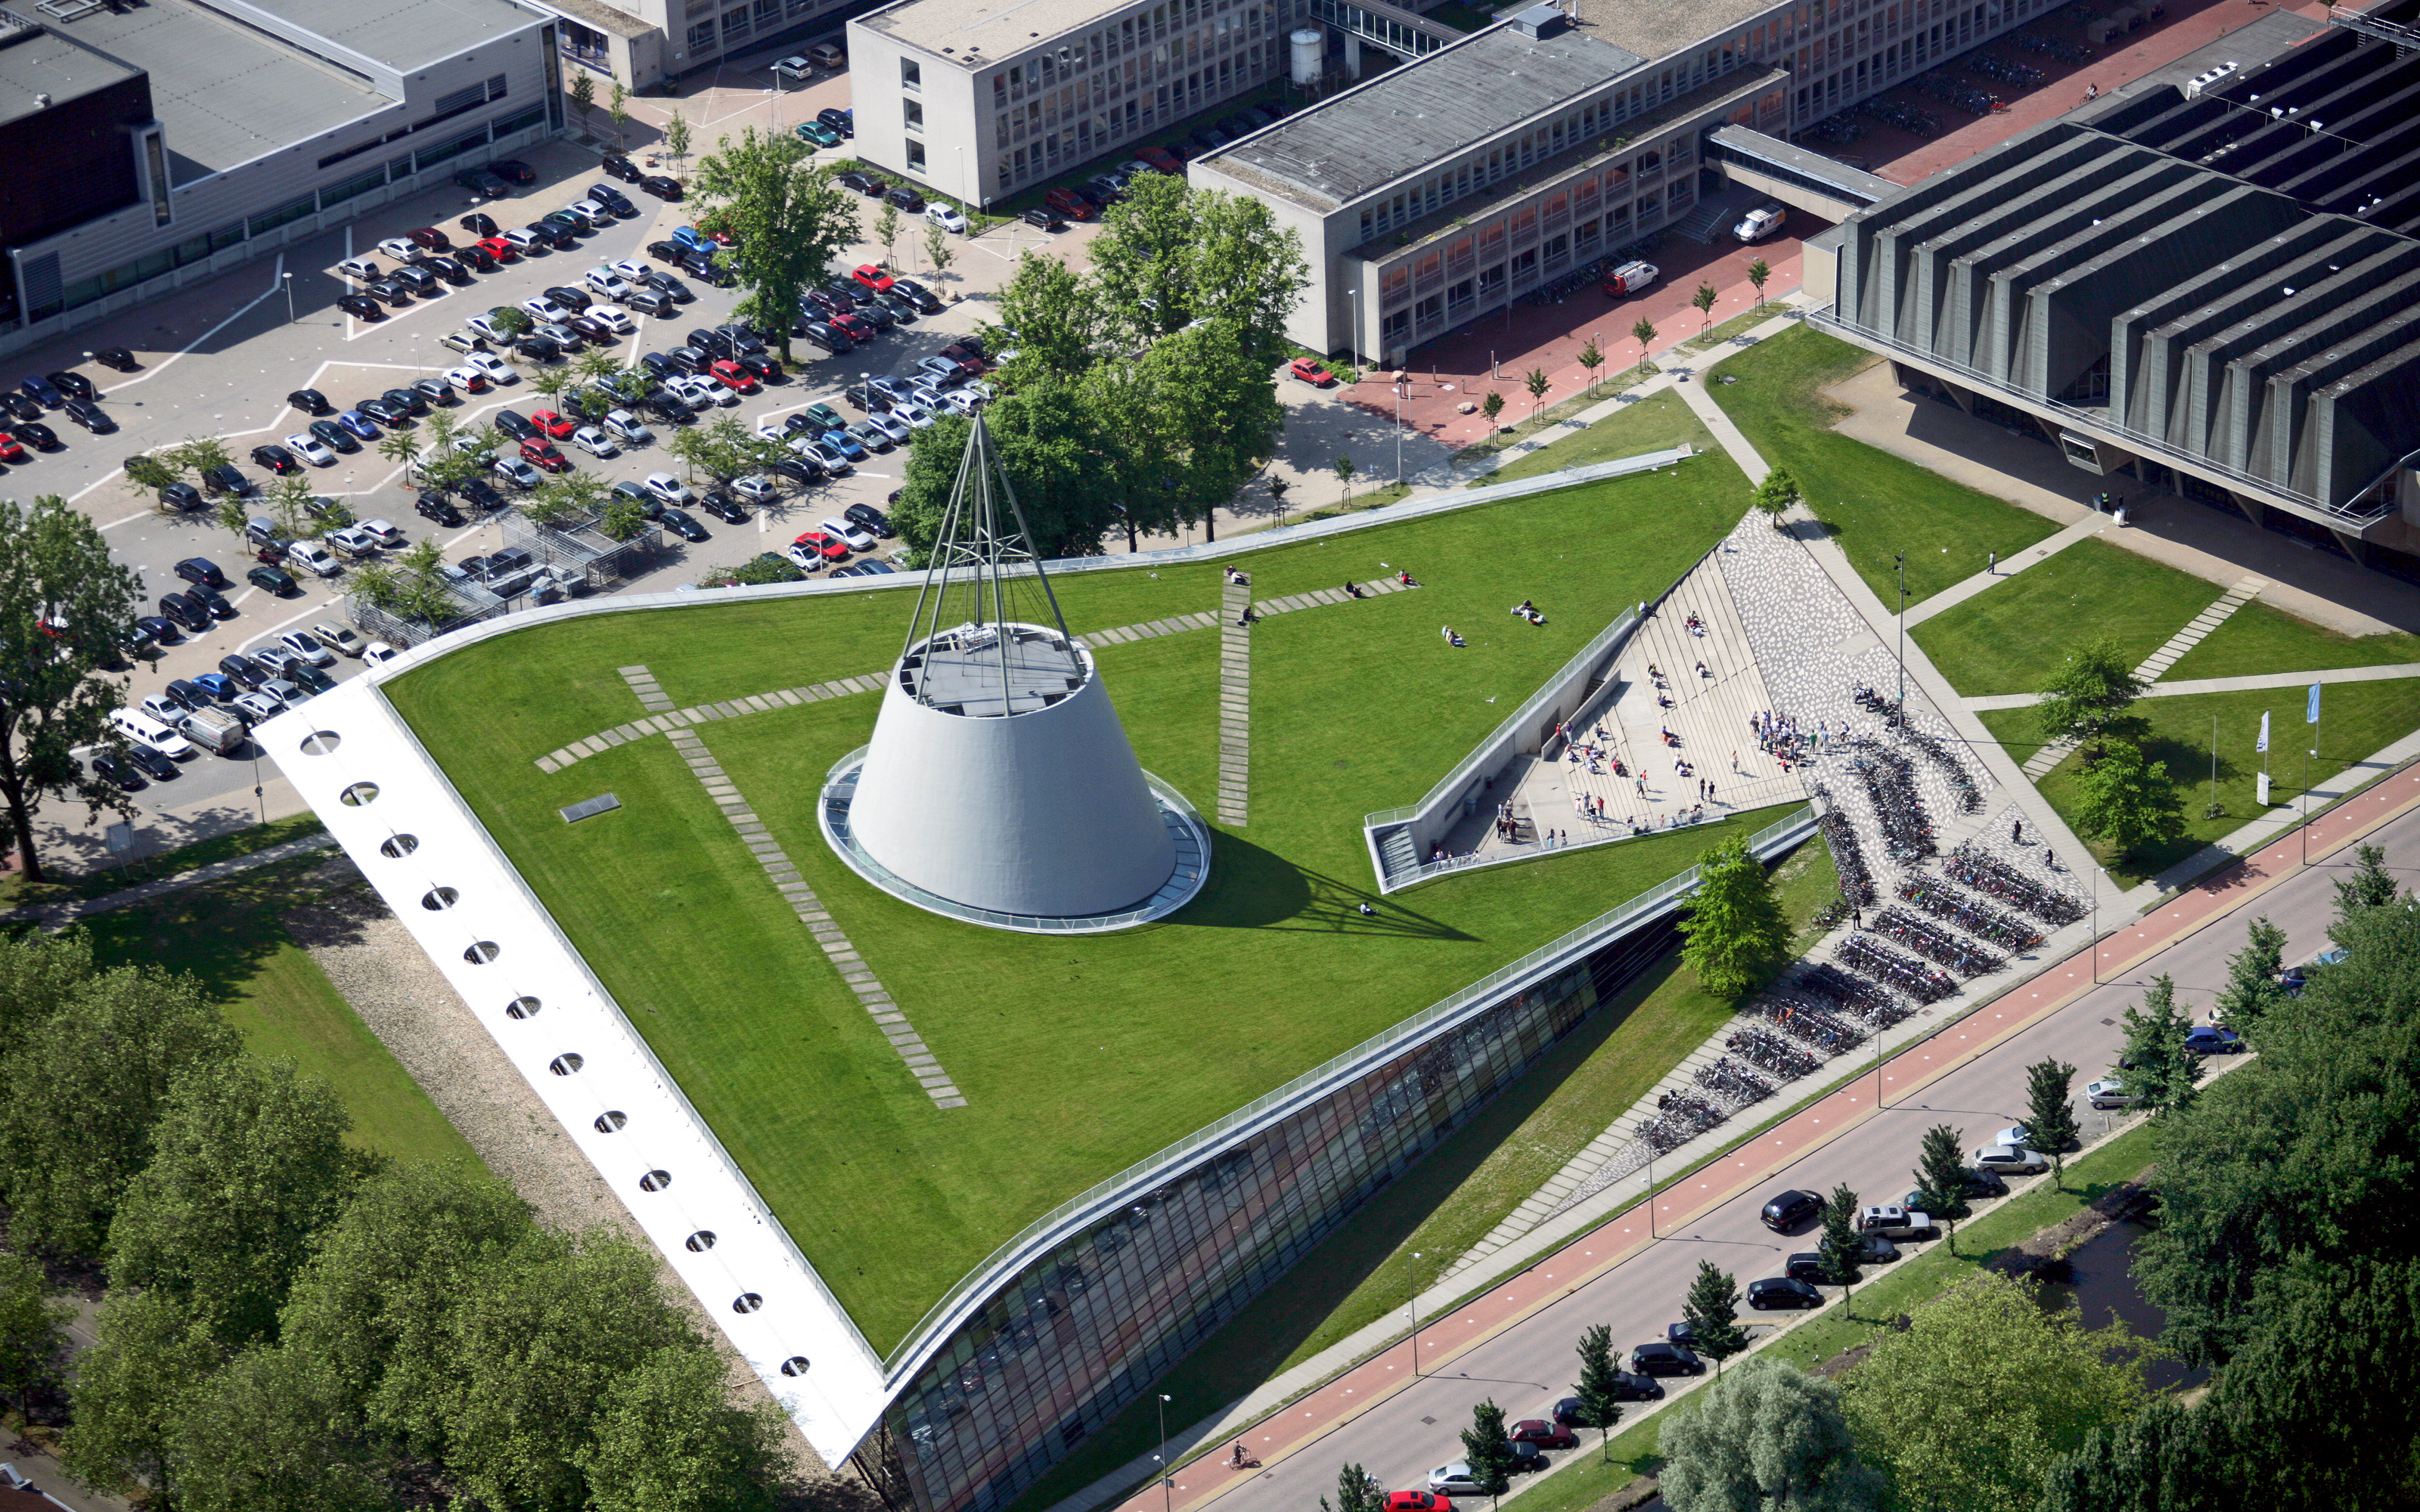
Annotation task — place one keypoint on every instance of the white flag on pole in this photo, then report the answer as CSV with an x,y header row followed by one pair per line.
x,y
2264,729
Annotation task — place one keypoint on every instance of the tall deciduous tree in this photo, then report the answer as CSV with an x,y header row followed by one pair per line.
x,y
33,1329
1733,924
264,1434
2254,985
2160,1070
667,1439
86,1088
1712,1311
1941,1171
149,1358
1486,1450
2088,698
2126,799
66,605
1766,1436
1776,496
2050,1112
787,220
39,974
1704,301
248,1165
2171,1459
1170,255
1600,1408
1971,1405
1757,272
2368,884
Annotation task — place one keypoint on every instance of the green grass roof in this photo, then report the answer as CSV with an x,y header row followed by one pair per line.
x,y
1082,1056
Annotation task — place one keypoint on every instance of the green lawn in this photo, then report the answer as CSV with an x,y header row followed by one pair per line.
x,y
16,893
1835,1330
228,935
1874,504
2012,635
2260,638
2359,720
1080,1057
1651,425
1450,1200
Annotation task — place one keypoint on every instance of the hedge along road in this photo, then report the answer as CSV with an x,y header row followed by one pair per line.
x,y
1516,1342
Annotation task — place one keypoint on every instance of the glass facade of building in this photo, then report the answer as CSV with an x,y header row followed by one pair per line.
x,y
1082,1332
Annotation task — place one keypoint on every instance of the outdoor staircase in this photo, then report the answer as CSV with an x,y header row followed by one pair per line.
x,y
1397,854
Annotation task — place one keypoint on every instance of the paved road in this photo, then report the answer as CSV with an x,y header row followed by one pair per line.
x,y
1967,1076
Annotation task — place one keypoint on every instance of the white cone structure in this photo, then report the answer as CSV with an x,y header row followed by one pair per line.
x,y
998,778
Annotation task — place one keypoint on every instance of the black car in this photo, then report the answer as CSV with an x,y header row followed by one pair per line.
x,y
188,615
311,678
757,365
723,507
872,400
1791,1209
434,391
715,342
436,507
203,571
691,360
1783,1291
74,385
277,459
662,188
272,581
612,199
665,282
310,401
512,170
23,406
573,300
160,630
658,364
111,768
479,224
622,168
679,523
476,256
361,306
798,470
1042,219
705,266
161,768
864,183
820,334
182,496
448,269
219,608
91,416
514,423
1239,125
870,518
117,357
877,314
923,299
1664,1359
1807,1265
481,492
539,348
838,120
35,434
906,199
590,327
667,252
389,290
416,280
385,410
185,695
244,670
744,338
1977,1184
225,479
480,181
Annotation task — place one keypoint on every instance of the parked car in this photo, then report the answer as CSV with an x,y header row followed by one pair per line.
x,y
1783,1291
2011,1160
2110,1094
1792,1209
1664,1358
1545,1434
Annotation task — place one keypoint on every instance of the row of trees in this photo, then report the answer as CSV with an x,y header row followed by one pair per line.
x,y
2122,796
295,1326
1142,395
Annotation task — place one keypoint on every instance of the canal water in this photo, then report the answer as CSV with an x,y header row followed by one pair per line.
x,y
2100,1282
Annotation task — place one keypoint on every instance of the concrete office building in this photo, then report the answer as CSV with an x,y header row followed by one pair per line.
x,y
2203,283
980,102
171,141
1471,174
644,42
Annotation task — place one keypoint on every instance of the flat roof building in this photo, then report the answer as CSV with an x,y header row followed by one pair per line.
x,y
2203,282
173,140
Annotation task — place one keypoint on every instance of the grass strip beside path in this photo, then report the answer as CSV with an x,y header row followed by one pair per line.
x,y
1874,503
2261,637
16,893
1654,424
2012,635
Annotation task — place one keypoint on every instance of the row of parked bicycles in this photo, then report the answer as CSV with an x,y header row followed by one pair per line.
x,y
1894,972
1970,797
1912,119
1890,786
1946,902
1769,1052
1848,859
1935,943
1960,94
1988,875
1733,1083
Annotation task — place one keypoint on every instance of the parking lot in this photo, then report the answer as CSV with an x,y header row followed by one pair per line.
x,y
218,359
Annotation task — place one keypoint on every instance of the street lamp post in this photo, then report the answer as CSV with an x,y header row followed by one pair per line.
x,y
288,280
1400,386
1162,1456
1903,634
1412,1295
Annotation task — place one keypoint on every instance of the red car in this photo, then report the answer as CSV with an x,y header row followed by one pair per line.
x,y
543,453
1165,160
552,424
854,327
429,236
831,548
10,450
1543,1434
1310,372
873,277
1067,203
732,377
1417,1501
501,250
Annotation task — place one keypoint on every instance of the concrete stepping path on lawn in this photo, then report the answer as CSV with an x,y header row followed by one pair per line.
x,y
2041,761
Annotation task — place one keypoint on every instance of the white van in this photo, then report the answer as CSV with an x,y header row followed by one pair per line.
x,y
1760,223
148,732
1630,278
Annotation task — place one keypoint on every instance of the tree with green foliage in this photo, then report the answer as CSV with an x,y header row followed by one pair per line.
x,y
1776,496
1643,332
1536,381
41,974
1170,255
666,1438
2126,799
1344,476
2050,1112
149,474
624,519
886,230
1766,1436
249,1163
678,138
1356,1490
195,455
1057,450
66,605
1492,406
2254,987
263,1435
1734,923
1712,1311
937,248
1941,1171
2169,1458
88,1084
2368,884
1592,357
150,1357
564,499
2160,1069
1487,1451
1757,272
617,105
1839,1243
2088,699
1704,302
1058,320
1973,1402
584,95
787,220
33,1331
1600,1376
766,567
421,590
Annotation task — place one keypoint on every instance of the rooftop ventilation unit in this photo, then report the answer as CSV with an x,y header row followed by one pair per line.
x,y
2201,83
1540,20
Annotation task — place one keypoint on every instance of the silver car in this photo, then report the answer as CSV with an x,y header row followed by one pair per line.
x,y
2011,1160
2110,1094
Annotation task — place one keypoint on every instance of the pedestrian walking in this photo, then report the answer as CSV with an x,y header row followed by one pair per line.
x,y
1857,919
2016,831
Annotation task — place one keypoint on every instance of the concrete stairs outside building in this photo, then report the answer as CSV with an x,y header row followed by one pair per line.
x,y
1234,703
1396,850
2245,590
